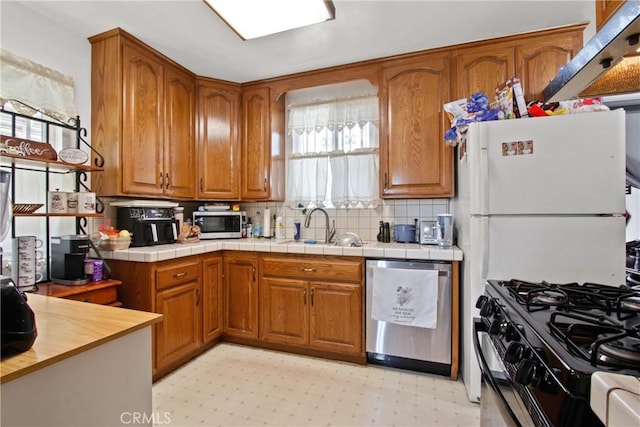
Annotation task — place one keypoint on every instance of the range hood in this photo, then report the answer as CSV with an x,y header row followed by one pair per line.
x,y
586,73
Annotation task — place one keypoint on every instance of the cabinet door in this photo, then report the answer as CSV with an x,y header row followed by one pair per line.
x,y
605,9
539,60
179,141
336,319
256,143
482,68
211,298
241,295
284,311
414,160
218,143
142,122
179,333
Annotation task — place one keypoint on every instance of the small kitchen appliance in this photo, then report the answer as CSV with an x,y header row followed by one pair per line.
x,y
405,233
148,225
428,235
538,344
220,224
18,321
68,253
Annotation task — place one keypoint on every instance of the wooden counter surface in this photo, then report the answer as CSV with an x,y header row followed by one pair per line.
x,y
67,328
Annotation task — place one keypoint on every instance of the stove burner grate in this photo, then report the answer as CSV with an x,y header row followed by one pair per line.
x,y
600,342
622,301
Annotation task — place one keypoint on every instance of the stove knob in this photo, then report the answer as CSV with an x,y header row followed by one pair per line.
x,y
514,353
527,372
488,308
494,329
482,300
511,333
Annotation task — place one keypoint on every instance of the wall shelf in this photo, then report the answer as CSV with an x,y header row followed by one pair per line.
x,y
15,162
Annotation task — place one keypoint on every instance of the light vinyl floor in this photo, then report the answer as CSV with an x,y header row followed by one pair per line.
x,y
233,385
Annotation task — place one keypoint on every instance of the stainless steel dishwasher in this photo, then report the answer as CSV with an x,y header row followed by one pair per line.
x,y
409,347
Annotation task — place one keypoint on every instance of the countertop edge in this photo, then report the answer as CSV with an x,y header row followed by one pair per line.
x,y
369,250
37,303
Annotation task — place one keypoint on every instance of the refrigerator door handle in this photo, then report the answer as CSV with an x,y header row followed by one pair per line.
x,y
484,254
483,181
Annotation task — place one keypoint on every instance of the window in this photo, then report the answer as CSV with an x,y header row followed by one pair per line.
x,y
333,156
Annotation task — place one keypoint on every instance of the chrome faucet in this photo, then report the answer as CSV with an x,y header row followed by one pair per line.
x,y
328,233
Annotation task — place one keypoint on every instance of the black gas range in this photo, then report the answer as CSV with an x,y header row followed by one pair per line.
x,y
539,343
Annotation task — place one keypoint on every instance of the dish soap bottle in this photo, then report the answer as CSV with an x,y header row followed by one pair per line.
x,y
280,231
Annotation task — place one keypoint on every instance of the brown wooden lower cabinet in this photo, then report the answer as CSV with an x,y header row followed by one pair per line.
x,y
306,304
313,301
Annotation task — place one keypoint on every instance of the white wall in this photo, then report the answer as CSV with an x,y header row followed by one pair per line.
x,y
34,37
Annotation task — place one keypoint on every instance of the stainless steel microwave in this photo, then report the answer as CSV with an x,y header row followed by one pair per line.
x,y
219,224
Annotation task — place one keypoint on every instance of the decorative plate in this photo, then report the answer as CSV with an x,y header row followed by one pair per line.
x,y
73,155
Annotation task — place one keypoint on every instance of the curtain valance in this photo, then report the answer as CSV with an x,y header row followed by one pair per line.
x,y
43,88
334,114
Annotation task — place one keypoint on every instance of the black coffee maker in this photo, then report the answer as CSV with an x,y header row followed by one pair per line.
x,y
18,321
67,259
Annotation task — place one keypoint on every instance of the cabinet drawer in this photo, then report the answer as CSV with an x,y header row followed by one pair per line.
x,y
310,268
99,296
175,274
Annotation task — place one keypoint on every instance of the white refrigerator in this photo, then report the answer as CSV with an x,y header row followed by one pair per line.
x,y
539,199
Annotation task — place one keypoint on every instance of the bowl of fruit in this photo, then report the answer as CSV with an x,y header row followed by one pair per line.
x,y
111,239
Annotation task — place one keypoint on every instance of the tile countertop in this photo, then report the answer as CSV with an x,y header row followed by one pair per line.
x,y
369,250
615,399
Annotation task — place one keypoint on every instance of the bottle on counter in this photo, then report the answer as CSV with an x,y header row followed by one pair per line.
x,y
380,236
257,225
387,233
280,231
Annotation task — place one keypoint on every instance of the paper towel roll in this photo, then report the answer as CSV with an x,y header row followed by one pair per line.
x,y
266,223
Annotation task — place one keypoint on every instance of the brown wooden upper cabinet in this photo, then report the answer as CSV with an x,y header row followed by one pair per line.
x,y
605,10
263,153
535,59
218,149
414,161
142,120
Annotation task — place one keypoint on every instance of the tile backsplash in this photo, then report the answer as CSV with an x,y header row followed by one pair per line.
x,y
364,222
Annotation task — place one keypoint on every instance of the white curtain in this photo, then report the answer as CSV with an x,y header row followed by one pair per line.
x,y
334,156
42,88
334,114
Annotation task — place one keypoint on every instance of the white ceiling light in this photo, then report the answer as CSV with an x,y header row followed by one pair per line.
x,y
256,18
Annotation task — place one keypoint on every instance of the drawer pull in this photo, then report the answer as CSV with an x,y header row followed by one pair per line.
x,y
311,296
86,300
179,275
304,294
309,270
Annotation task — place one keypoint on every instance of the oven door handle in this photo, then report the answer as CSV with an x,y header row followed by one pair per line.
x,y
479,326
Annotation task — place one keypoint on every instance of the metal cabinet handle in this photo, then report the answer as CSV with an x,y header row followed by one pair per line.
x,y
309,270
265,185
254,274
197,297
201,184
304,295
168,181
312,295
386,180
161,180
179,275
